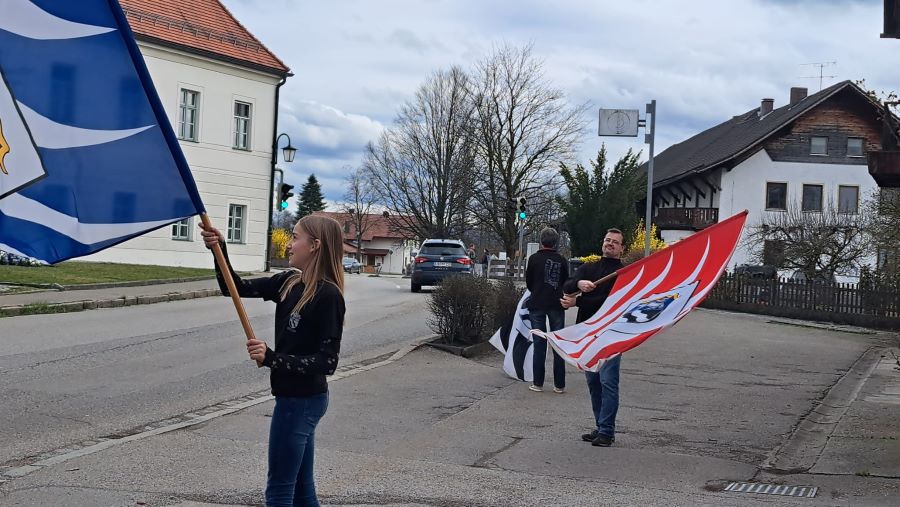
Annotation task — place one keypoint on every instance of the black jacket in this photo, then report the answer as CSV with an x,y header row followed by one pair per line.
x,y
589,303
307,344
546,272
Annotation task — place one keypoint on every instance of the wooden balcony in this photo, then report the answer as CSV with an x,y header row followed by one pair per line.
x,y
692,219
884,166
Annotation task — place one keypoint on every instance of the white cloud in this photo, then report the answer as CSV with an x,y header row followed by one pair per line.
x,y
356,61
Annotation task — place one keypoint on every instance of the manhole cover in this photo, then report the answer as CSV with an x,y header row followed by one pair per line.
x,y
772,489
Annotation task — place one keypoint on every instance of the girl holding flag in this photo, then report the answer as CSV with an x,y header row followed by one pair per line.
x,y
309,319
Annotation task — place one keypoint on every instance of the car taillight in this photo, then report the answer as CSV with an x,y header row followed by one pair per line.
x,y
465,260
420,260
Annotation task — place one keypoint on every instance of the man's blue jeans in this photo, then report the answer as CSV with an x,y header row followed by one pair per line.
x,y
539,320
291,444
604,388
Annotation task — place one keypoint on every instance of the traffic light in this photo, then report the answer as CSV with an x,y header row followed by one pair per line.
x,y
285,194
523,214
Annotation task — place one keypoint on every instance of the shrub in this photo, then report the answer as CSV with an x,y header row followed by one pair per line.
x,y
462,309
467,310
280,240
506,298
637,243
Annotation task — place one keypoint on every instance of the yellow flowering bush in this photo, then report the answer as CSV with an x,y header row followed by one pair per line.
x,y
280,239
590,258
638,242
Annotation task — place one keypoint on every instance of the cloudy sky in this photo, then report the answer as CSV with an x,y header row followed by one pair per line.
x,y
356,61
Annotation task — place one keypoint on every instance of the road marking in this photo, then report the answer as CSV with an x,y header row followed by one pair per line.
x,y
186,420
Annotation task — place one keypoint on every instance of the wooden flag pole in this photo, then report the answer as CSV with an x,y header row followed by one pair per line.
x,y
229,282
598,282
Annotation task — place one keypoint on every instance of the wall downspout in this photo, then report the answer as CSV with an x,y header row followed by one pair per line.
x,y
272,173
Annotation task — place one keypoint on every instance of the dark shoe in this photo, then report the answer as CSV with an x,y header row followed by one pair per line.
x,y
602,441
589,437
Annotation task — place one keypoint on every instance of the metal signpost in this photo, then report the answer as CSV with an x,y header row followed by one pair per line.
x,y
625,123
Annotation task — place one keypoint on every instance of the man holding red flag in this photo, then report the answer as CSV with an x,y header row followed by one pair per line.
x,y
603,385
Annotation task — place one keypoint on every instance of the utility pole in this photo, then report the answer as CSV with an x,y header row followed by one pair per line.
x,y
625,123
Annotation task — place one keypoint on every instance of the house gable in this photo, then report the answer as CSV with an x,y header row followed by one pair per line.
x,y
726,145
842,116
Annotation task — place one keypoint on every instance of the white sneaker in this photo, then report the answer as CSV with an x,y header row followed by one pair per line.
x,y
537,389
559,390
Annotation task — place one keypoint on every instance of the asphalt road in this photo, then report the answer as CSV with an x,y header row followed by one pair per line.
x,y
68,378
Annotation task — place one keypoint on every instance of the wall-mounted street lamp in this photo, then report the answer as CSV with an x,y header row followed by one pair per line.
x,y
288,153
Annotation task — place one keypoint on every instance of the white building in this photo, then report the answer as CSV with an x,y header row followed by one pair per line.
x,y
219,86
811,151
382,245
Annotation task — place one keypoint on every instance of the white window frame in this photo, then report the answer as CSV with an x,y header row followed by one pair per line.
x,y
246,121
856,209
862,147
811,146
182,226
183,107
241,223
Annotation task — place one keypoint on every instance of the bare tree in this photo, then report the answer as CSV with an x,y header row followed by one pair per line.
x,y
359,201
819,244
421,168
525,128
283,219
883,210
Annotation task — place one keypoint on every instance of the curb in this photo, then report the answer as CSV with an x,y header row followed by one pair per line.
x,y
109,285
803,448
467,352
93,304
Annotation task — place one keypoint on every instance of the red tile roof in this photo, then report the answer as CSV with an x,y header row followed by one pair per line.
x,y
200,26
379,226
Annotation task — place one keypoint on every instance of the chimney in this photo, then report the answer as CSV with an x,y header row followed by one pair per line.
x,y
766,107
797,94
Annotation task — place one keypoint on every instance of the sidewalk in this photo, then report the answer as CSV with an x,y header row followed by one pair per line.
x,y
433,429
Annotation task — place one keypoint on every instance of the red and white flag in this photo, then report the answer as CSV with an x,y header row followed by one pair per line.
x,y
650,295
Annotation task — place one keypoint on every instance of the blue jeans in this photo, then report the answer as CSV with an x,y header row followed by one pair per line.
x,y
539,355
604,388
291,443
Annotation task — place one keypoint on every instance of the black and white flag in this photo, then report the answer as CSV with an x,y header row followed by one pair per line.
x,y
514,341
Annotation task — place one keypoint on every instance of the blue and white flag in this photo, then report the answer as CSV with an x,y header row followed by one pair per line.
x,y
87,156
516,344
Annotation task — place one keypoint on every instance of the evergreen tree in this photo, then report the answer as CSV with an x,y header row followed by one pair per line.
x,y
598,200
310,199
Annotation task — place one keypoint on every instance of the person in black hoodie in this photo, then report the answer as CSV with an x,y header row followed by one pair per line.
x,y
544,277
603,385
309,320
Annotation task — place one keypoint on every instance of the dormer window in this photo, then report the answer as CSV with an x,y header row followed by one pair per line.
x,y
854,147
818,145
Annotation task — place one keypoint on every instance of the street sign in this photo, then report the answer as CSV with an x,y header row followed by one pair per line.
x,y
619,122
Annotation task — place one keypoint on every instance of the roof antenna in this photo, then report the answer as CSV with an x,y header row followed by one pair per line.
x,y
821,76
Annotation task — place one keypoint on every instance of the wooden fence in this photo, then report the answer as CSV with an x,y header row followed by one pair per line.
x,y
832,302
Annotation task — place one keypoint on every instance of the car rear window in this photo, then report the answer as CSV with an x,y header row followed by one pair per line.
x,y
442,249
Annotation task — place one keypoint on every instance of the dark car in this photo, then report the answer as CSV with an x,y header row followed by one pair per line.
x,y
756,271
352,265
438,259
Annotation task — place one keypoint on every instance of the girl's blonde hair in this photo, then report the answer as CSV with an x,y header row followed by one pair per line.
x,y
325,266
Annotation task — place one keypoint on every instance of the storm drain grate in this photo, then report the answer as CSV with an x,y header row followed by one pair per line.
x,y
772,489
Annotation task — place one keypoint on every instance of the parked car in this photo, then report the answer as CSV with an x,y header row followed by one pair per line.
x,y
352,265
756,271
438,259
